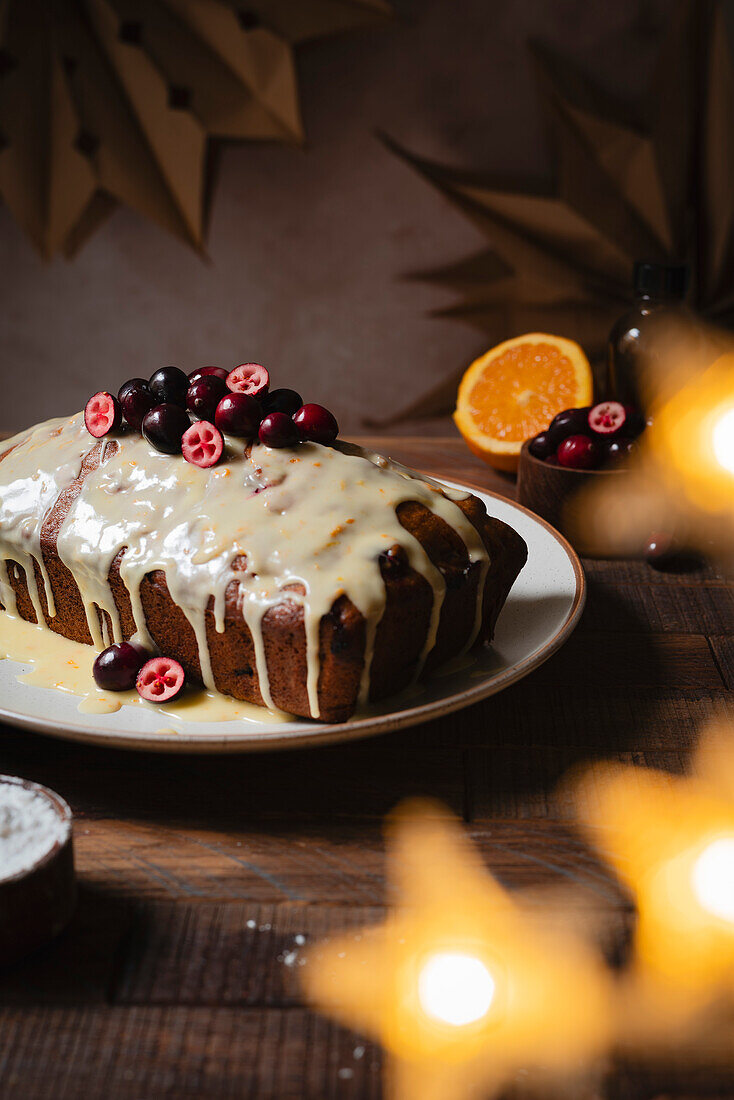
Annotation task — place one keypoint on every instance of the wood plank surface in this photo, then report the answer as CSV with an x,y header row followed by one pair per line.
x,y
203,880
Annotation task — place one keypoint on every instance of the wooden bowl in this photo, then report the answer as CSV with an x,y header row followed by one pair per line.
x,y
38,898
547,491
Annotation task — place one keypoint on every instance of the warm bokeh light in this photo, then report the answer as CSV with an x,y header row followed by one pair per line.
x,y
461,984
723,440
713,878
671,840
456,989
681,482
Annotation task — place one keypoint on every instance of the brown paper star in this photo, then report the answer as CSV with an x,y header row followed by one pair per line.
x,y
106,101
652,182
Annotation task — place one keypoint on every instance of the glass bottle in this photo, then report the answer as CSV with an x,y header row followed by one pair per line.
x,y
659,290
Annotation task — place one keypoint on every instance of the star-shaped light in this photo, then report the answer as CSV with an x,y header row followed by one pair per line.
x,y
460,985
671,840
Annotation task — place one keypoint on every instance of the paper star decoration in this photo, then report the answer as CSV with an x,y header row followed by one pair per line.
x,y
114,101
671,840
460,985
644,182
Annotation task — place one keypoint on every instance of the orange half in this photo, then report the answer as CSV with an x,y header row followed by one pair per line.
x,y
513,391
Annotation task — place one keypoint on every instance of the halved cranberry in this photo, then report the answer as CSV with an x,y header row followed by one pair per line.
x,y
136,400
249,378
579,452
169,385
542,445
238,414
204,395
164,427
282,401
160,679
202,444
608,418
102,414
316,424
116,668
278,430
206,372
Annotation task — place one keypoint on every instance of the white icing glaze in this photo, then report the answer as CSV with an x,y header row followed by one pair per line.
x,y
314,516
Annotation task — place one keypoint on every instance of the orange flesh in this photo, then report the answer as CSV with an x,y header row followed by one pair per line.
x,y
521,391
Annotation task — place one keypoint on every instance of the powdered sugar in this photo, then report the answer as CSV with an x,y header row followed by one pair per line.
x,y
30,825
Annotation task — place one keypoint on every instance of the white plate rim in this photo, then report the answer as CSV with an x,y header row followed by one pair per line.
x,y
297,735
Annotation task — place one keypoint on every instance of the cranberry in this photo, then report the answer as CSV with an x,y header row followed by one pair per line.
x,y
542,445
102,414
238,414
634,423
620,449
204,395
608,418
116,668
136,400
202,444
569,422
169,385
278,430
206,372
160,679
164,427
282,401
579,452
316,424
131,384
249,378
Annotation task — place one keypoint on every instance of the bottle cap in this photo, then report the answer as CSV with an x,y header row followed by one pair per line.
x,y
661,280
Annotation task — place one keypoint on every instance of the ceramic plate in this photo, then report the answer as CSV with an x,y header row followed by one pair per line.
x,y
541,611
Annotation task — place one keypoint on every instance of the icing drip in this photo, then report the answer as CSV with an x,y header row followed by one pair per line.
x,y
45,460
314,517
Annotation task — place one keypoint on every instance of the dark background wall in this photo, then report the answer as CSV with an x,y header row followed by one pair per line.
x,y
309,248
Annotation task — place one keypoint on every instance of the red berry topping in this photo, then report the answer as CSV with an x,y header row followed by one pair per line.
x,y
249,378
607,418
278,430
239,414
160,679
164,427
136,400
102,414
579,452
635,423
202,444
206,372
282,401
316,424
116,668
204,395
169,385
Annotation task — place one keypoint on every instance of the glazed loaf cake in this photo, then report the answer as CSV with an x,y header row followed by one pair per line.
x,y
307,579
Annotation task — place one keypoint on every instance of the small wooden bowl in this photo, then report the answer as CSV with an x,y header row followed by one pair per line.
x,y
546,490
37,901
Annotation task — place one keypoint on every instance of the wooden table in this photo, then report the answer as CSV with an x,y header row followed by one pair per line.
x,y
178,976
